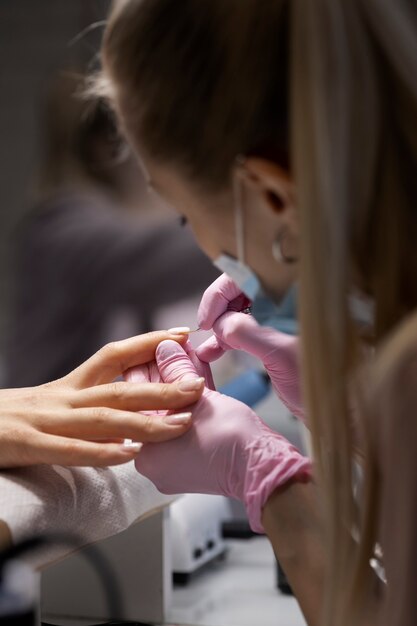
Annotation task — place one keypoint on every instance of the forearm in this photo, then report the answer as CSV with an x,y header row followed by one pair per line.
x,y
293,523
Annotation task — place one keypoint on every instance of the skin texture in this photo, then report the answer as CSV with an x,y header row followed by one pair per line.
x,y
293,523
82,419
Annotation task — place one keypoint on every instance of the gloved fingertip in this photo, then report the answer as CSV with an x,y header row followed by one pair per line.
x,y
168,349
214,302
173,362
210,351
203,320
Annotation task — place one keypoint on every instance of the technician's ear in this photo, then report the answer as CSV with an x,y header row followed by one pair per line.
x,y
274,184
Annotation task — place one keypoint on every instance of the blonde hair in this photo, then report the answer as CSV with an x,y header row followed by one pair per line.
x,y
355,156
194,81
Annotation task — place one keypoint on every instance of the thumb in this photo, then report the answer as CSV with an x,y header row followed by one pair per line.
x,y
216,300
174,363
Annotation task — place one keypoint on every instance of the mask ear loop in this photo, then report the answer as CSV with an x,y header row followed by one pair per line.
x,y
239,216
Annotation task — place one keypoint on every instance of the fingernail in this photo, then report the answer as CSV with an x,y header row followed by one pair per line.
x,y
130,446
192,384
178,418
179,330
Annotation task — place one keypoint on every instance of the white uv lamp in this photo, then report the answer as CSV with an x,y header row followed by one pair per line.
x,y
196,532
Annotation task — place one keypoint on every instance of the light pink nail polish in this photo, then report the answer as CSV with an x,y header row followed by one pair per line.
x,y
178,418
193,384
179,330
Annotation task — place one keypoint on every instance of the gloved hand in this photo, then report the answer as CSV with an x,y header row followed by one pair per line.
x,y
220,311
149,372
227,451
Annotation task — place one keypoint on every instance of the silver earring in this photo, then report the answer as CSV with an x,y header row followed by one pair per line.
x,y
278,253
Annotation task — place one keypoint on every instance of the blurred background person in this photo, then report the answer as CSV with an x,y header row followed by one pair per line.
x,y
97,257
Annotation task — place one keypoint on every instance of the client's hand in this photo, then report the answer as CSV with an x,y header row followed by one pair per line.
x,y
82,419
149,372
228,450
220,310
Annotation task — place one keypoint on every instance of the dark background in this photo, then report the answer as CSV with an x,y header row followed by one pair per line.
x,y
37,38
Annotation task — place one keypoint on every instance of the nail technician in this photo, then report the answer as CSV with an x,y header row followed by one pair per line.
x,y
285,132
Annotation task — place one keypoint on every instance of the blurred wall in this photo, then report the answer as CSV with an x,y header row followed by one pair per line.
x,y
36,39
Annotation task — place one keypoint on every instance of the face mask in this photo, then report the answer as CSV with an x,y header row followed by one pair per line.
x,y
263,308
265,311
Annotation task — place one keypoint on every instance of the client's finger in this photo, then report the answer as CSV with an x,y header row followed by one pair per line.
x,y
115,358
144,373
139,397
201,367
104,423
55,450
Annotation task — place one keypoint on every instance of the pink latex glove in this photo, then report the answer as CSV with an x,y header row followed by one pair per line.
x,y
279,352
149,372
228,449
